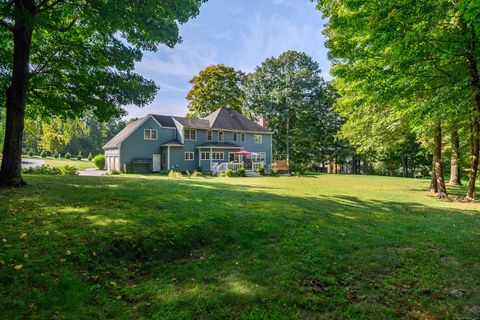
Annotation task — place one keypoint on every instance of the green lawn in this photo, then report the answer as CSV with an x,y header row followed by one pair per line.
x,y
146,247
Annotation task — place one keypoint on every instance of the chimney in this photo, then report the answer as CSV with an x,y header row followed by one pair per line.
x,y
262,121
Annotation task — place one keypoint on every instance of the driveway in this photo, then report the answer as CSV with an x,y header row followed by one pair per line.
x,y
32,163
91,172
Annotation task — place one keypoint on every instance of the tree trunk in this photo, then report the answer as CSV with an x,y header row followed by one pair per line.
x,y
16,95
405,166
433,181
474,161
288,143
454,165
335,170
437,158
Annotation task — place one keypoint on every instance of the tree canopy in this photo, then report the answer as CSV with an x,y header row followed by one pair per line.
x,y
214,87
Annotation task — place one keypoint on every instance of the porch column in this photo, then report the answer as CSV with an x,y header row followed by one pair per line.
x,y
199,157
210,158
168,158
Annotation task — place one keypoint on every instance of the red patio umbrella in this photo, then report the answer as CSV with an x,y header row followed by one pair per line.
x,y
243,153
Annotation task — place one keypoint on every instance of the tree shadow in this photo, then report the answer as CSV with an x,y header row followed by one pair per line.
x,y
203,249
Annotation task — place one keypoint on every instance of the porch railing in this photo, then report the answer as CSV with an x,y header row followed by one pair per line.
x,y
223,166
256,165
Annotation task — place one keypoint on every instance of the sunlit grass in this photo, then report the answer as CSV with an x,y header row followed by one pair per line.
x,y
335,247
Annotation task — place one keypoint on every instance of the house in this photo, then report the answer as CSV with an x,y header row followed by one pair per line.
x,y
157,142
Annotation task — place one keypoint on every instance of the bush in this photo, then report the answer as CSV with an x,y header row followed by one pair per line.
x,y
199,169
69,171
274,173
99,161
55,155
79,155
59,156
114,172
196,174
229,173
31,153
261,171
175,174
297,169
68,155
241,172
90,156
43,154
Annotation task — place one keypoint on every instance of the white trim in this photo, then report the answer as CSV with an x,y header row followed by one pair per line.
x,y
189,152
206,153
223,136
215,147
151,131
218,153
168,158
211,135
244,140
255,136
235,136
210,158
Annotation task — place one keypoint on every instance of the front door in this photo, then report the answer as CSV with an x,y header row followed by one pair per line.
x,y
156,163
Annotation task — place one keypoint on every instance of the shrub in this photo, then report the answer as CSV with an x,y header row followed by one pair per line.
x,y
68,155
175,174
274,173
31,153
229,173
43,170
241,172
90,156
114,172
55,155
99,161
43,154
261,171
222,174
196,174
297,169
199,169
79,155
68,171
188,174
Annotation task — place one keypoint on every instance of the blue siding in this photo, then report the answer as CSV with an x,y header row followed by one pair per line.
x,y
135,147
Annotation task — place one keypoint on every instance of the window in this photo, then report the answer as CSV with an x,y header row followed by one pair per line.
x,y
217,155
190,134
262,156
257,138
235,136
232,157
205,156
220,136
242,137
209,135
150,134
189,156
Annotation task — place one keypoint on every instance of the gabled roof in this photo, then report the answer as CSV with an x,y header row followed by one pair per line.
x,y
193,123
165,121
123,134
229,119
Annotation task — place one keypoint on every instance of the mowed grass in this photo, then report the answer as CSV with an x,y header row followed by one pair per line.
x,y
79,164
318,247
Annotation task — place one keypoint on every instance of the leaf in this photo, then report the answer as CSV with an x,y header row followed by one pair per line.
x,y
18,266
23,235
25,255
2,262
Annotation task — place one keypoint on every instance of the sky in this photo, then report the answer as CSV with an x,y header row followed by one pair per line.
x,y
237,33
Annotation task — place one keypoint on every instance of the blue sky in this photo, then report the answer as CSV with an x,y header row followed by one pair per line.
x,y
237,33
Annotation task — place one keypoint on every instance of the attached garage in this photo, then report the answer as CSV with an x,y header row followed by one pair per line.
x,y
112,159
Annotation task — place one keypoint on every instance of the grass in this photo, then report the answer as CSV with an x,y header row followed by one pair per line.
x,y
79,164
148,247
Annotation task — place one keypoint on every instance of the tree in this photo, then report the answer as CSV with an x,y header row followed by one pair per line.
x,y
70,57
55,133
214,87
290,93
399,60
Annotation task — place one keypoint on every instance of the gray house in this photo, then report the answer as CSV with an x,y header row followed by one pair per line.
x,y
224,139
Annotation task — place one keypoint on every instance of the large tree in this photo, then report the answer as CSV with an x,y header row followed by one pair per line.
x,y
214,87
70,57
290,93
412,61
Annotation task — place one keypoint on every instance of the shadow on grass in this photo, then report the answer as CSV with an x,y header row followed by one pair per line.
x,y
128,248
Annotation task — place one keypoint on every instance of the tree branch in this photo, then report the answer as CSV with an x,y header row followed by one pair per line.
x,y
47,7
64,29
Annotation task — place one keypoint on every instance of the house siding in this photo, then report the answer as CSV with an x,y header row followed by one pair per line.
x,y
135,147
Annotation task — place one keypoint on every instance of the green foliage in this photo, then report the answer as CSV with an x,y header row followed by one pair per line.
x,y
297,169
241,172
52,171
99,161
79,155
175,174
90,156
229,173
55,155
274,173
31,153
216,86
68,155
43,154
114,173
261,171
196,174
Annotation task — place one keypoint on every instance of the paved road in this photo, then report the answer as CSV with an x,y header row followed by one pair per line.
x,y
32,163
91,172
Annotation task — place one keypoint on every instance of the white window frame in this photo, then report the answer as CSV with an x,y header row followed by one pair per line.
x,y
190,135
210,132
150,131
205,155
235,136
262,155
258,138
236,157
243,137
190,157
223,136
218,155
